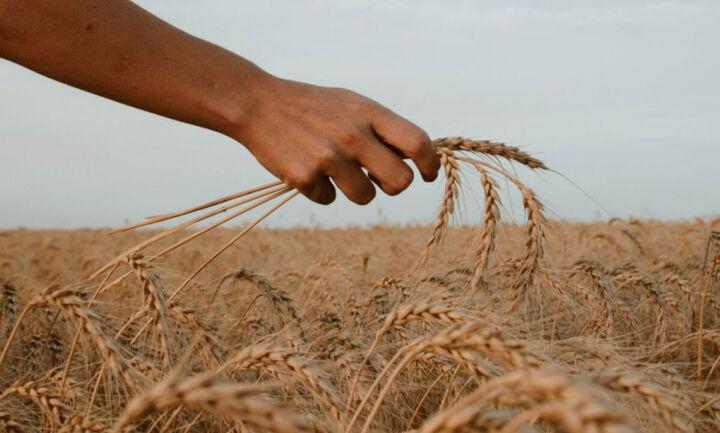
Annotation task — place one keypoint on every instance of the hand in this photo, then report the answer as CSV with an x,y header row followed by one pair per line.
x,y
306,134
303,134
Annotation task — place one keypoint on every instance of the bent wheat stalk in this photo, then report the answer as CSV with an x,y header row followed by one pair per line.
x,y
263,198
205,392
542,395
535,222
165,217
446,149
490,222
405,313
204,264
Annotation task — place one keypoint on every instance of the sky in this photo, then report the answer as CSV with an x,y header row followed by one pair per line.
x,y
621,98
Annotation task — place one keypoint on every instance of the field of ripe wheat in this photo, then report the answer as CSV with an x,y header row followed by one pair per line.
x,y
501,327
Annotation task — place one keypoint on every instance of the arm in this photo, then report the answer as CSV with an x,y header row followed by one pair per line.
x,y
301,133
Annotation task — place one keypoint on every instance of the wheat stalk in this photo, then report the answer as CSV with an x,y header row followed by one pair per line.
x,y
551,397
486,147
401,315
68,302
205,392
447,208
266,356
658,401
490,221
278,299
460,342
8,425
8,308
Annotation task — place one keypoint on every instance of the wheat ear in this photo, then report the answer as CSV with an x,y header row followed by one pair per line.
x,y
205,393
8,425
265,356
45,399
67,301
155,302
534,250
462,342
401,315
447,208
8,308
551,397
658,401
489,148
489,230
281,302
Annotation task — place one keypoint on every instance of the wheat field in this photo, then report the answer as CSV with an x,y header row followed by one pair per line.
x,y
501,327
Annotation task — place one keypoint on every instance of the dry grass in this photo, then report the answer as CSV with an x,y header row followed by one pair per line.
x,y
501,327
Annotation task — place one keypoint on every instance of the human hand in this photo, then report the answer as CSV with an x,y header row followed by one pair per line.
x,y
306,134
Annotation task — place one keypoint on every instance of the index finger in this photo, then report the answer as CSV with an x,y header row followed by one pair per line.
x,y
408,139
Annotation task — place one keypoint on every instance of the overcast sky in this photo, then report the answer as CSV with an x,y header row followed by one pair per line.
x,y
622,97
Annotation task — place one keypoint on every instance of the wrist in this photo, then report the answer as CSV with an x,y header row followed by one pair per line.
x,y
239,104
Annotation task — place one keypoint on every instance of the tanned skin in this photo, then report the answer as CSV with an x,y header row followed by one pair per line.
x,y
303,134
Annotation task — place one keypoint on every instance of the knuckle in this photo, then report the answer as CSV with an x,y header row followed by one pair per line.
x,y
302,180
418,143
356,100
343,91
370,108
348,136
325,160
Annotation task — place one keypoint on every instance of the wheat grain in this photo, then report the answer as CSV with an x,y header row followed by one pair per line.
x,y
204,392
490,221
550,397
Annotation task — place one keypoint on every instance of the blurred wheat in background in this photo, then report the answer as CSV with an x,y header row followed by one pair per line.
x,y
503,327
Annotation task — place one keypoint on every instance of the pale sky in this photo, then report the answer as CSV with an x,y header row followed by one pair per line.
x,y
622,97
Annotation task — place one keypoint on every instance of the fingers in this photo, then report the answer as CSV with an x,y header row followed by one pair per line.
x,y
312,179
376,140
352,181
385,167
316,187
412,141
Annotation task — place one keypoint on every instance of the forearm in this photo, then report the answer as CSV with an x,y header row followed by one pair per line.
x,y
303,134
103,46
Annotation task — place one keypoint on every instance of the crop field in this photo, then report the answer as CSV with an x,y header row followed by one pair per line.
x,y
501,327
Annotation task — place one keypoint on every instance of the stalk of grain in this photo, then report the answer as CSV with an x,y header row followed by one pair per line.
x,y
206,393
413,311
8,425
265,356
8,309
81,424
280,301
447,208
534,249
460,341
486,147
540,395
658,401
50,403
155,302
68,302
490,221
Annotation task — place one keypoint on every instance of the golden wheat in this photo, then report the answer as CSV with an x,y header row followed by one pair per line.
x,y
500,327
